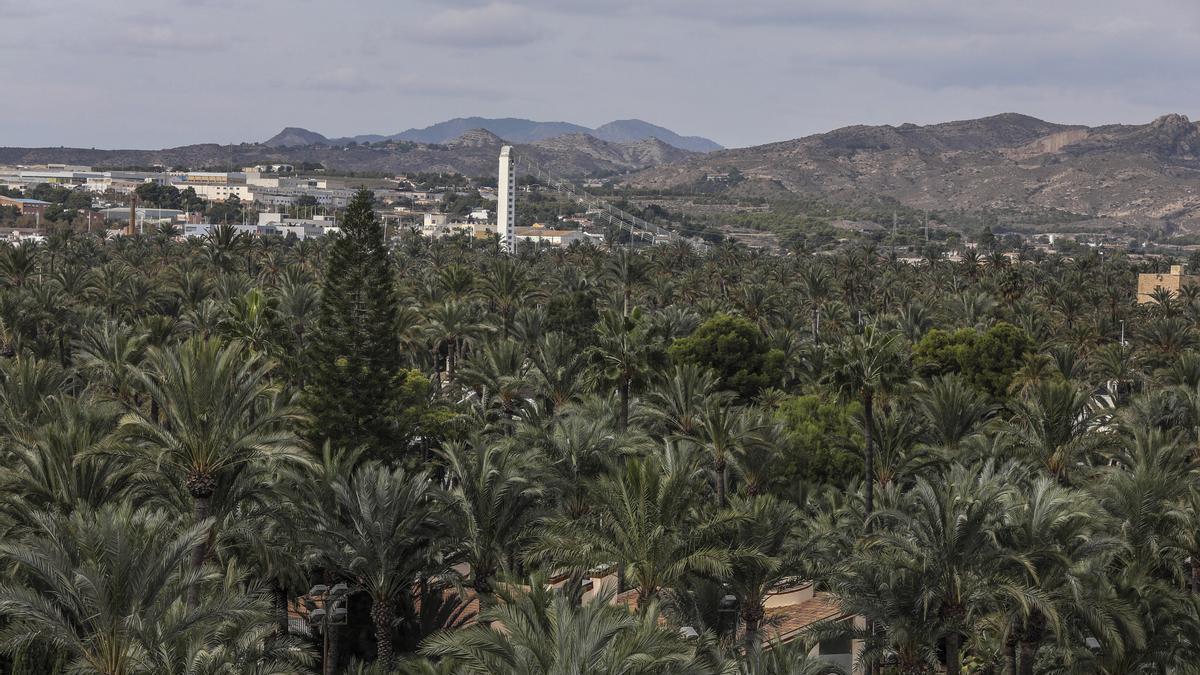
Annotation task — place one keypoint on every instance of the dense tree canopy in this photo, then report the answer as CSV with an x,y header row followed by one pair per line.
x,y
584,460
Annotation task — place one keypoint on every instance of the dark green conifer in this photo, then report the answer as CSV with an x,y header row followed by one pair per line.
x,y
354,357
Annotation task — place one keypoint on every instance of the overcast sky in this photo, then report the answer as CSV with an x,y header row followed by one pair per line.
x,y
157,73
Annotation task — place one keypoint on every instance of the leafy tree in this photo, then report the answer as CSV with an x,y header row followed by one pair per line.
x,y
736,349
987,359
820,432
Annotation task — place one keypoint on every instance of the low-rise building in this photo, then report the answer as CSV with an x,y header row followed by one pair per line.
x,y
219,192
1172,282
144,215
27,207
540,234
301,228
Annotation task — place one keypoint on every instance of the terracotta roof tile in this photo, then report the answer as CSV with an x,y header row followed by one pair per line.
x,y
787,622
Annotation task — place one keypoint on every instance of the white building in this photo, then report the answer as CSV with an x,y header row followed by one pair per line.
x,y
220,193
506,204
541,235
302,228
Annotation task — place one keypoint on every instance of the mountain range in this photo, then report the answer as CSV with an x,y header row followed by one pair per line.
x,y
472,153
511,129
1116,174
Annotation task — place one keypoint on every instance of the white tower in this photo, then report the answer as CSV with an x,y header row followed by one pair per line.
x,y
506,201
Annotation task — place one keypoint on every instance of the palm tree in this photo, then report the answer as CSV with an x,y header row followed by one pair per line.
x,y
723,432
105,588
784,659
453,325
1055,425
220,412
866,365
491,501
110,352
644,520
545,634
559,367
763,539
1057,536
507,287
621,356
952,410
626,268
58,466
376,535
945,534
673,406
26,384
578,449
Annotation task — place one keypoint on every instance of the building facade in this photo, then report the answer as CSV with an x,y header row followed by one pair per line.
x,y
1172,282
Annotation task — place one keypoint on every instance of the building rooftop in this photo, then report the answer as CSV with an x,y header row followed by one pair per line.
x,y
23,200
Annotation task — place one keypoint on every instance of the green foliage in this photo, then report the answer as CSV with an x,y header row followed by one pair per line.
x,y
736,349
526,421
987,359
822,440
159,196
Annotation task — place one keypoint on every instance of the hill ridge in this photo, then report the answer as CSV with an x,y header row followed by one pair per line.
x,y
512,129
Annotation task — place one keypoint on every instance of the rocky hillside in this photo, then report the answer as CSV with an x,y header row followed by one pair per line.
x,y
1009,161
473,153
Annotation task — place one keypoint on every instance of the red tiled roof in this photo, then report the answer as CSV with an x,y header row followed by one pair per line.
x,y
787,622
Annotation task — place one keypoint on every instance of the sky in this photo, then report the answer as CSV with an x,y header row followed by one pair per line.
x,y
162,73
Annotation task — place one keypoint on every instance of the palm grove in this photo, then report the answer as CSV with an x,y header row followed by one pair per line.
x,y
965,455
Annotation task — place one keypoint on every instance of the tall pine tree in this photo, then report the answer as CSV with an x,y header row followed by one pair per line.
x,y
354,356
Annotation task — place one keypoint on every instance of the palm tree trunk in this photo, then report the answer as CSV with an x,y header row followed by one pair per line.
x,y
953,660
623,413
485,595
200,512
1010,651
752,618
868,402
1027,651
281,610
722,470
381,615
574,587
1031,636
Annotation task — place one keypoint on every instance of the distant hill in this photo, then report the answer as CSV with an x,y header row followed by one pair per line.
x,y
511,129
1118,175
293,136
472,153
631,131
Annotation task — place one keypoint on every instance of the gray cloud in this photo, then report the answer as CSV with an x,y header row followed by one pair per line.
x,y
496,24
742,73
